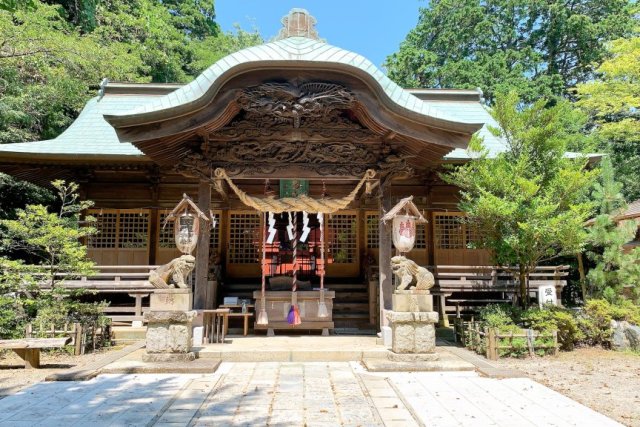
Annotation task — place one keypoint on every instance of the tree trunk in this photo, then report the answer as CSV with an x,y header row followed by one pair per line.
x,y
524,285
583,276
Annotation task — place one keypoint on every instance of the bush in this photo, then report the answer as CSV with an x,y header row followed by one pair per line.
x,y
12,318
71,311
595,320
552,318
497,315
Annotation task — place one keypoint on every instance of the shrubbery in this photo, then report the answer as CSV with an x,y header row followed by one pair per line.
x,y
52,241
589,326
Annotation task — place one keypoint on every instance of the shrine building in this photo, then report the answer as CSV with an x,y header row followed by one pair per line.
x,y
293,117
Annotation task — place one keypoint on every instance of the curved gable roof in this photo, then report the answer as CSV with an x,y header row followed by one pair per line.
x,y
292,53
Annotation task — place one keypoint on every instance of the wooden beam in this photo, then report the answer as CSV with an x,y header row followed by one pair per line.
x,y
202,253
384,257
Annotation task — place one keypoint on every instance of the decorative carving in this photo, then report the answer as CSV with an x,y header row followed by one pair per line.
x,y
292,152
295,104
174,273
411,274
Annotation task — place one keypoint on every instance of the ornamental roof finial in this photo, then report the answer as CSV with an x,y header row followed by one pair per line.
x,y
298,23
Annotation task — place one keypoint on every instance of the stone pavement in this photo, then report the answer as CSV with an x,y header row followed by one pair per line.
x,y
295,394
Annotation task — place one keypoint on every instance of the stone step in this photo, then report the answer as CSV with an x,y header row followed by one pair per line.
x,y
127,334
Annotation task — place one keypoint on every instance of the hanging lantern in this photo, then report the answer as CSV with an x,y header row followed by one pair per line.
x,y
186,232
404,216
186,217
404,232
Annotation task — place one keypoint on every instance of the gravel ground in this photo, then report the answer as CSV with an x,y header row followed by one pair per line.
x,y
14,377
606,381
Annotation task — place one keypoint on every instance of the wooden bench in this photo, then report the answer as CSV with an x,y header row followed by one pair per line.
x,y
29,348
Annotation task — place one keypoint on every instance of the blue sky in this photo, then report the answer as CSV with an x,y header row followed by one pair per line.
x,y
371,28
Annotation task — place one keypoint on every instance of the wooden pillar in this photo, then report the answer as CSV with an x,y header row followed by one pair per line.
x,y
384,258
202,252
431,237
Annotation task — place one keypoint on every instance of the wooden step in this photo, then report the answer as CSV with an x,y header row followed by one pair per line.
x,y
350,307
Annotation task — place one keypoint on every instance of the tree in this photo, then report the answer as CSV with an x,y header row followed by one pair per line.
x,y
614,268
530,202
46,68
51,59
536,48
51,244
53,240
613,102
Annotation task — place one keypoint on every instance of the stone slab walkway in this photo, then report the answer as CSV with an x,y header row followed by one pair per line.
x,y
295,394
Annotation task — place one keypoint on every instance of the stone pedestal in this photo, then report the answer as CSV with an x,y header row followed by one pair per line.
x,y
412,321
169,336
412,301
171,300
413,332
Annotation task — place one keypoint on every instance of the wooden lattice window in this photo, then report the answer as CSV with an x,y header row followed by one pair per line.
x,y
165,234
472,235
421,237
451,232
373,231
107,226
120,229
133,230
214,238
343,240
244,229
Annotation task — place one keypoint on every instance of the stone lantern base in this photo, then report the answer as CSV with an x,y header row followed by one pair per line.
x,y
169,336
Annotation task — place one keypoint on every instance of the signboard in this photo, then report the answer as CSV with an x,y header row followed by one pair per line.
x,y
294,187
547,295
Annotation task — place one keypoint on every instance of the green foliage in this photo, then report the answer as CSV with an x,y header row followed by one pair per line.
x,y
595,323
52,240
518,345
614,268
530,201
498,316
554,318
46,66
613,102
51,55
12,317
538,49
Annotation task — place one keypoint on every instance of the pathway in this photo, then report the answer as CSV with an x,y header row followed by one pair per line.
x,y
295,394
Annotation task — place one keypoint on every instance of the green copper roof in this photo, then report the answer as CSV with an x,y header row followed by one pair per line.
x,y
292,52
89,134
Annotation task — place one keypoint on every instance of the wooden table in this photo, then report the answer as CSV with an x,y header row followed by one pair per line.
x,y
246,315
216,324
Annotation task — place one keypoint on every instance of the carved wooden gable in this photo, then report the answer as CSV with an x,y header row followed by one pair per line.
x,y
308,126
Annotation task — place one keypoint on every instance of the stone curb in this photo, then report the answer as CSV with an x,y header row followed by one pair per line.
x,y
482,365
86,372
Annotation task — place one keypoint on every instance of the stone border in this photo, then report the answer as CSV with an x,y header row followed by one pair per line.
x,y
90,370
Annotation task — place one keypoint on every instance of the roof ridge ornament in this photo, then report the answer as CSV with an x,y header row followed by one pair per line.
x,y
298,23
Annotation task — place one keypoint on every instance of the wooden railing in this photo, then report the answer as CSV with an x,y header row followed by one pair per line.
x,y
133,280
500,282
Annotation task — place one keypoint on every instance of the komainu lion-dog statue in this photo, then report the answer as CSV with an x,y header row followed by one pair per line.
x,y
411,275
173,274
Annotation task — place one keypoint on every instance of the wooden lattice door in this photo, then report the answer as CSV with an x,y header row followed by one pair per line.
x,y
243,244
342,243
